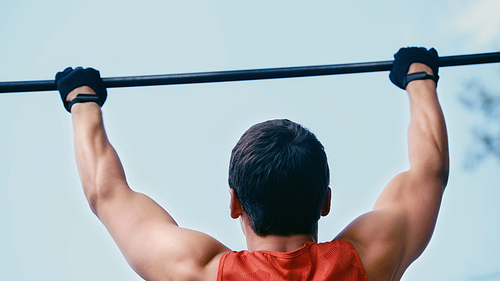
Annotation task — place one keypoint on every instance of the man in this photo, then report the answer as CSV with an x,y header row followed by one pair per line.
x,y
279,188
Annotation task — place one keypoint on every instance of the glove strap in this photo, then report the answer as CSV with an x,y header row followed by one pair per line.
x,y
420,76
83,98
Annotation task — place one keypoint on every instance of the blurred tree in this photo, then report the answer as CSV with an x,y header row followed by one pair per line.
x,y
486,134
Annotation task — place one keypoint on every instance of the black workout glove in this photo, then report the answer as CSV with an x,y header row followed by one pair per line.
x,y
405,57
70,79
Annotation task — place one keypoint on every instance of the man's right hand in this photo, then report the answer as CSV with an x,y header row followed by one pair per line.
x,y
80,85
405,57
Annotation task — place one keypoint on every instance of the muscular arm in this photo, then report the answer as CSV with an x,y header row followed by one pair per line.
x,y
417,193
147,235
396,232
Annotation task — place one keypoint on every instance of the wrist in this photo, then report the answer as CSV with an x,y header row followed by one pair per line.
x,y
80,90
84,108
419,67
421,84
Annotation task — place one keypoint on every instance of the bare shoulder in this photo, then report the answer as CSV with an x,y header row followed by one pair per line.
x,y
193,256
152,242
390,237
212,268
203,256
378,242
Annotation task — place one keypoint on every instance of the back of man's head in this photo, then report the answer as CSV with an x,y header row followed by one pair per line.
x,y
280,174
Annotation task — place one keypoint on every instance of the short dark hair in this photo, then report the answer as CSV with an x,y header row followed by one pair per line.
x,y
279,172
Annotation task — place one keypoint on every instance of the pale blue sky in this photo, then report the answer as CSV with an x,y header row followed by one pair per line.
x,y
175,141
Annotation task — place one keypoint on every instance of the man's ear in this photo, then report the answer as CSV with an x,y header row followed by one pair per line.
x,y
325,210
234,205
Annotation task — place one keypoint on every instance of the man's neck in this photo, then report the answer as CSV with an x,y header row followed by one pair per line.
x,y
277,243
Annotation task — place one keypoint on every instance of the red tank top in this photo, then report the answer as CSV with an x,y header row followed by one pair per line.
x,y
335,260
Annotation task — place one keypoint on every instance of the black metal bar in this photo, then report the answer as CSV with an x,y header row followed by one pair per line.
x,y
250,74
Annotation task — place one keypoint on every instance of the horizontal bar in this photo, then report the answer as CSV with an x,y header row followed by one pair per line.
x,y
250,74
